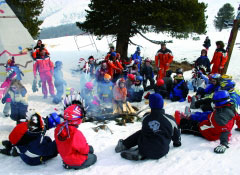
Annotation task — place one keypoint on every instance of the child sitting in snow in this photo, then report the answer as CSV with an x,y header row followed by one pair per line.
x,y
168,81
27,140
161,89
136,91
180,90
71,143
105,89
218,125
158,129
59,82
19,103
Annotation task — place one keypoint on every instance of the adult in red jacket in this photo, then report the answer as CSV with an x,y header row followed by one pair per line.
x,y
219,59
71,143
111,66
45,68
163,59
219,123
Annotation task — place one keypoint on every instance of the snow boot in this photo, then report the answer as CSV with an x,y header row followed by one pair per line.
x,y
120,146
7,144
177,116
187,111
14,152
189,99
132,155
192,105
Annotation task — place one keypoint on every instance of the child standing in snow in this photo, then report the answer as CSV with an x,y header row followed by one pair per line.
x,y
120,91
158,129
59,82
105,89
19,103
147,74
71,143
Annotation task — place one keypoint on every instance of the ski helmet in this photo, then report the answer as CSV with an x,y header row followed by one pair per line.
x,y
73,114
221,97
227,85
139,78
89,85
107,77
160,82
131,77
179,71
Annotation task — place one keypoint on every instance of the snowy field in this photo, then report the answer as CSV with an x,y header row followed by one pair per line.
x,y
195,156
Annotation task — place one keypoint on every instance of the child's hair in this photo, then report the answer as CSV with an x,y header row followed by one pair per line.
x,y
17,83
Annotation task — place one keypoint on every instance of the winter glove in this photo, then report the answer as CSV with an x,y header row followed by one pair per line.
x,y
220,149
4,100
177,144
53,120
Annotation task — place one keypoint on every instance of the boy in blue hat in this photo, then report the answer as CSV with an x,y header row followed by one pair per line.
x,y
158,129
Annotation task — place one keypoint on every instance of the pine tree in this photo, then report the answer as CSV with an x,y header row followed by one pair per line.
x,y
225,14
124,19
27,12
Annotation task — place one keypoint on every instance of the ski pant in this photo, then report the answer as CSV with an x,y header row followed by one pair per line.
x,y
46,78
92,158
18,111
145,84
7,108
190,127
132,140
204,104
60,89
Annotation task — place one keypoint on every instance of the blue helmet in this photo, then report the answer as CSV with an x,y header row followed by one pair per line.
x,y
221,97
58,63
139,78
214,76
227,85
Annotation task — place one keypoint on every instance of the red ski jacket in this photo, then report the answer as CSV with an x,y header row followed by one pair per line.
x,y
43,65
74,149
219,59
219,125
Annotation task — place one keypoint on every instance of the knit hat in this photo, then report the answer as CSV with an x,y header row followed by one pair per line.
x,y
156,101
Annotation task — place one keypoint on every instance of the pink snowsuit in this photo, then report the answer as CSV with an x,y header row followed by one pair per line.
x,y
45,68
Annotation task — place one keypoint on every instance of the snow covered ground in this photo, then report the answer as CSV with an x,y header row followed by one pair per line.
x,y
195,156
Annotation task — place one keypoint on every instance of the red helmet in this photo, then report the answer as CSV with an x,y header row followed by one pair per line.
x,y
73,114
131,77
160,82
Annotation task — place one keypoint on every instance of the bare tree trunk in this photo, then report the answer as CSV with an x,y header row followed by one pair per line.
x,y
122,44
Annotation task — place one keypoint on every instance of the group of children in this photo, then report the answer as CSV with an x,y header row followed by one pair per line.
x,y
120,80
